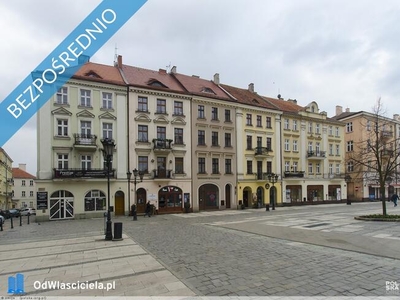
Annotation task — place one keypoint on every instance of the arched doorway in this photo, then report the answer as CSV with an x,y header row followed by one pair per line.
x,y
260,197
61,205
228,189
119,203
141,199
170,199
247,197
208,197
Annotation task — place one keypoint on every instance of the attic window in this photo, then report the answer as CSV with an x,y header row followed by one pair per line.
x,y
156,83
255,101
93,75
207,90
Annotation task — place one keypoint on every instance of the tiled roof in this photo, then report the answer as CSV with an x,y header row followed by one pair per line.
x,y
159,80
285,105
245,96
100,73
345,115
201,87
19,173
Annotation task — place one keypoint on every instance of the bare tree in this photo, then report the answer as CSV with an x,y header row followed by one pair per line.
x,y
376,156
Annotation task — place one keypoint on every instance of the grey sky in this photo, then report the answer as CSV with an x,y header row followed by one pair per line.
x,y
331,51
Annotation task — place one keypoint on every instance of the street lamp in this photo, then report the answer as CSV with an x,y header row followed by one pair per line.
x,y
347,178
136,174
108,150
129,175
273,178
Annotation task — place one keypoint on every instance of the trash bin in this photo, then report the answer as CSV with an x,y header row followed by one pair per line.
x,y
348,202
266,207
117,231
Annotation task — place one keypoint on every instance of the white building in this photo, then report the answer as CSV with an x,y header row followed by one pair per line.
x,y
24,188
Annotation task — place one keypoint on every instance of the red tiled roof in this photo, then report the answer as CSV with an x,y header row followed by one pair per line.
x,y
201,87
247,97
144,78
285,105
19,173
100,73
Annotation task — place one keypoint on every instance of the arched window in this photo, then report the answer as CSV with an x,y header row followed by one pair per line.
x,y
95,200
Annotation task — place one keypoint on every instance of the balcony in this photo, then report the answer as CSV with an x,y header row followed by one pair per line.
x,y
294,174
85,141
162,173
82,173
262,151
316,154
162,145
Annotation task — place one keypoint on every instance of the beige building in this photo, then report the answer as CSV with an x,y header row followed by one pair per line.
x,y
71,176
6,180
24,188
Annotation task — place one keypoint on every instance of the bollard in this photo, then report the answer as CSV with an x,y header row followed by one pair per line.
x,y
348,202
12,224
20,220
266,207
117,231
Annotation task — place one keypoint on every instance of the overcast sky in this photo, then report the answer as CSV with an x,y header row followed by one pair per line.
x,y
331,51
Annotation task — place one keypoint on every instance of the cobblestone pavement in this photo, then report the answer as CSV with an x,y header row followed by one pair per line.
x,y
292,251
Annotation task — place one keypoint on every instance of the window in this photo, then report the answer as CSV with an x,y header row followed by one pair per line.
x,y
215,166
318,168
259,142
310,146
107,100
330,168
295,147
23,182
95,200
30,193
317,128
259,121
287,146
294,125
62,127
368,125
142,104
85,98
349,127
200,112
62,161
31,183
23,194
228,115
86,129
161,106
202,165
295,166
317,147
214,114
337,168
349,146
107,130
269,167
161,133
248,120
310,168
249,167
214,138
287,166
269,124
337,131
286,124
143,133
179,165
228,166
178,108
228,140
86,162
249,142
62,96
310,127
330,130
178,136
143,164
201,137
350,166
337,150
269,144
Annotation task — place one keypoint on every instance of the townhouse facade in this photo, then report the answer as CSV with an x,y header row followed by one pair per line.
x,y
359,128
6,180
24,188
71,176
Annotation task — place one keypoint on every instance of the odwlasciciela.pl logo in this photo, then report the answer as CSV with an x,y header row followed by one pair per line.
x,y
16,284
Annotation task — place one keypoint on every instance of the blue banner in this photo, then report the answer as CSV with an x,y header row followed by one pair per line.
x,y
63,63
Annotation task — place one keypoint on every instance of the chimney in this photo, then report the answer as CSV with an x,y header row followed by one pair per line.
x,y
339,110
347,109
173,70
292,100
162,71
251,87
216,78
22,167
396,117
119,63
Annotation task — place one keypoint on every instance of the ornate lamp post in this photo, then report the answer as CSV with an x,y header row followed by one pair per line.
x,y
273,178
136,174
108,150
129,175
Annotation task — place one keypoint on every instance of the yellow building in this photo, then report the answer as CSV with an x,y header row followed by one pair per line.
x,y
5,180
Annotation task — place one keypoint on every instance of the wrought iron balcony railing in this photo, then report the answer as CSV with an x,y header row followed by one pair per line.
x,y
162,143
321,154
85,139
